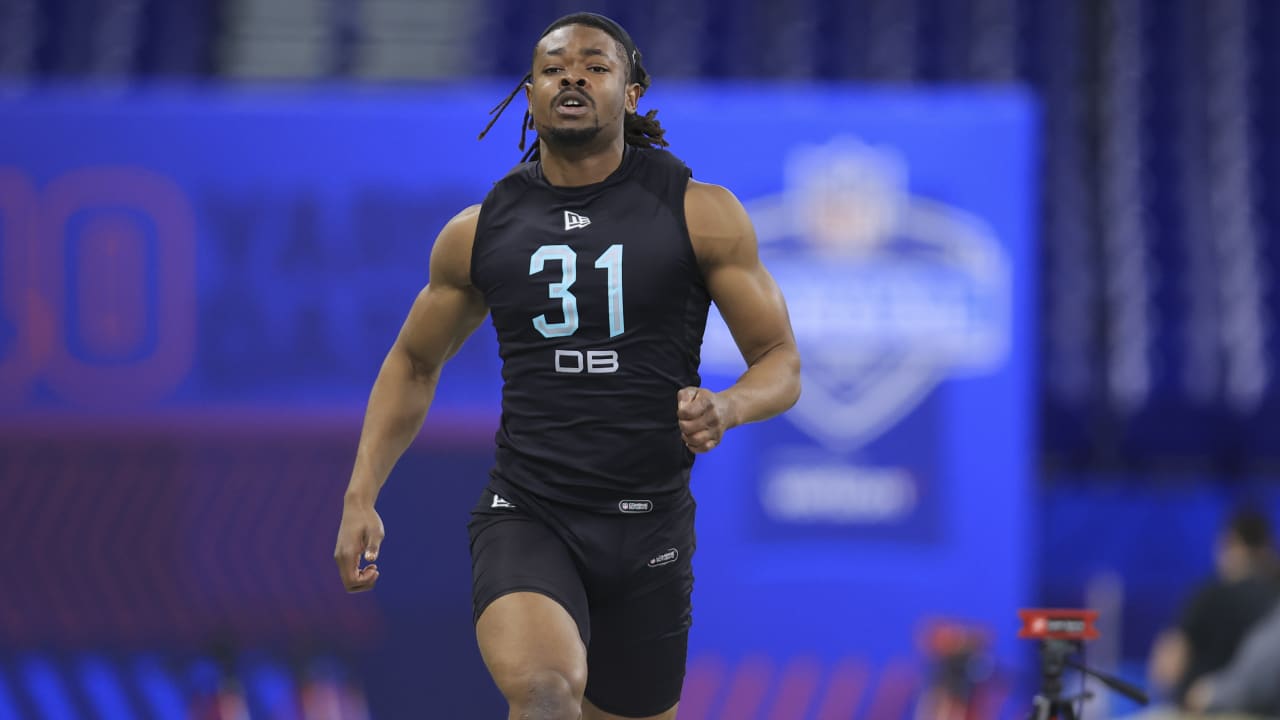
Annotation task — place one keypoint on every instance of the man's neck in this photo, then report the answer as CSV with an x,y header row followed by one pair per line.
x,y
570,168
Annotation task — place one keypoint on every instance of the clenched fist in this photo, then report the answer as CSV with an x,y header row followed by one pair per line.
x,y
703,417
360,534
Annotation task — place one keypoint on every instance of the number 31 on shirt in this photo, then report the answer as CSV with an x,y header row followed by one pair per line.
x,y
610,261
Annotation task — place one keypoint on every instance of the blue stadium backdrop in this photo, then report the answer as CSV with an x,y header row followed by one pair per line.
x,y
225,270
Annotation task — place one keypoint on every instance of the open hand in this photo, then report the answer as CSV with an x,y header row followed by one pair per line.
x,y
360,534
703,418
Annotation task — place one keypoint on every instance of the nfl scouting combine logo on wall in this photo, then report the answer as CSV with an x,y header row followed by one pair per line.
x,y
890,294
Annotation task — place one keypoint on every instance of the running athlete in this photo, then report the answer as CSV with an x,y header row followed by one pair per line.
x,y
597,260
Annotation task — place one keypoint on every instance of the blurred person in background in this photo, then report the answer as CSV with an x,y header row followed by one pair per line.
x,y
1250,684
581,544
1222,611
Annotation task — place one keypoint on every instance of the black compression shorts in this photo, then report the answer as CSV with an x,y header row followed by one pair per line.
x,y
625,578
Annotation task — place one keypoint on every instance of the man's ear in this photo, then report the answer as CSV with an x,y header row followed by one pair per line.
x,y
632,100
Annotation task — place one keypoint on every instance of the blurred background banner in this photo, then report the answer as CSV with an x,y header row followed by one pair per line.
x,y
197,251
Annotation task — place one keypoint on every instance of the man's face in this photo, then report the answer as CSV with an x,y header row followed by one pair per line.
x,y
579,94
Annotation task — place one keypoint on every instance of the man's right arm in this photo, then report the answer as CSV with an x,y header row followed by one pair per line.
x,y
444,314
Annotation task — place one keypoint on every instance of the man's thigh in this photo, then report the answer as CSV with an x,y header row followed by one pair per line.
x,y
513,551
529,602
640,627
524,636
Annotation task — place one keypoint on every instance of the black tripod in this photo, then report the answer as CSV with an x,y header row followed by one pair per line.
x,y
1049,704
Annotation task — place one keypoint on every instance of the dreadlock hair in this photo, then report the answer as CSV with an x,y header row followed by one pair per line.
x,y
637,130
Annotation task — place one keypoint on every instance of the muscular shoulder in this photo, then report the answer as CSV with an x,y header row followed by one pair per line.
x,y
451,254
718,224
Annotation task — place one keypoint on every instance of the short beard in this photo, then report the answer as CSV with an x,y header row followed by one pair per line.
x,y
570,138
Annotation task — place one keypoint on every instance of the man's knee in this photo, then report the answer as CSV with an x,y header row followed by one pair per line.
x,y
545,694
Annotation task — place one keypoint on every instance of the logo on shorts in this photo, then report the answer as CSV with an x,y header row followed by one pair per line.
x,y
501,502
635,506
666,557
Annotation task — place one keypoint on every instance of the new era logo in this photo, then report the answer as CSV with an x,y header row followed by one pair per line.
x,y
500,502
573,221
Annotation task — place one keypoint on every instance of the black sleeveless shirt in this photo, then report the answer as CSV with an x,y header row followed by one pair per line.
x,y
599,307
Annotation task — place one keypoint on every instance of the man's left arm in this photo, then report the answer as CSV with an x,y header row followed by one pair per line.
x,y
754,310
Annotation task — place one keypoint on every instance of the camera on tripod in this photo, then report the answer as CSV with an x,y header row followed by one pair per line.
x,y
1062,634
